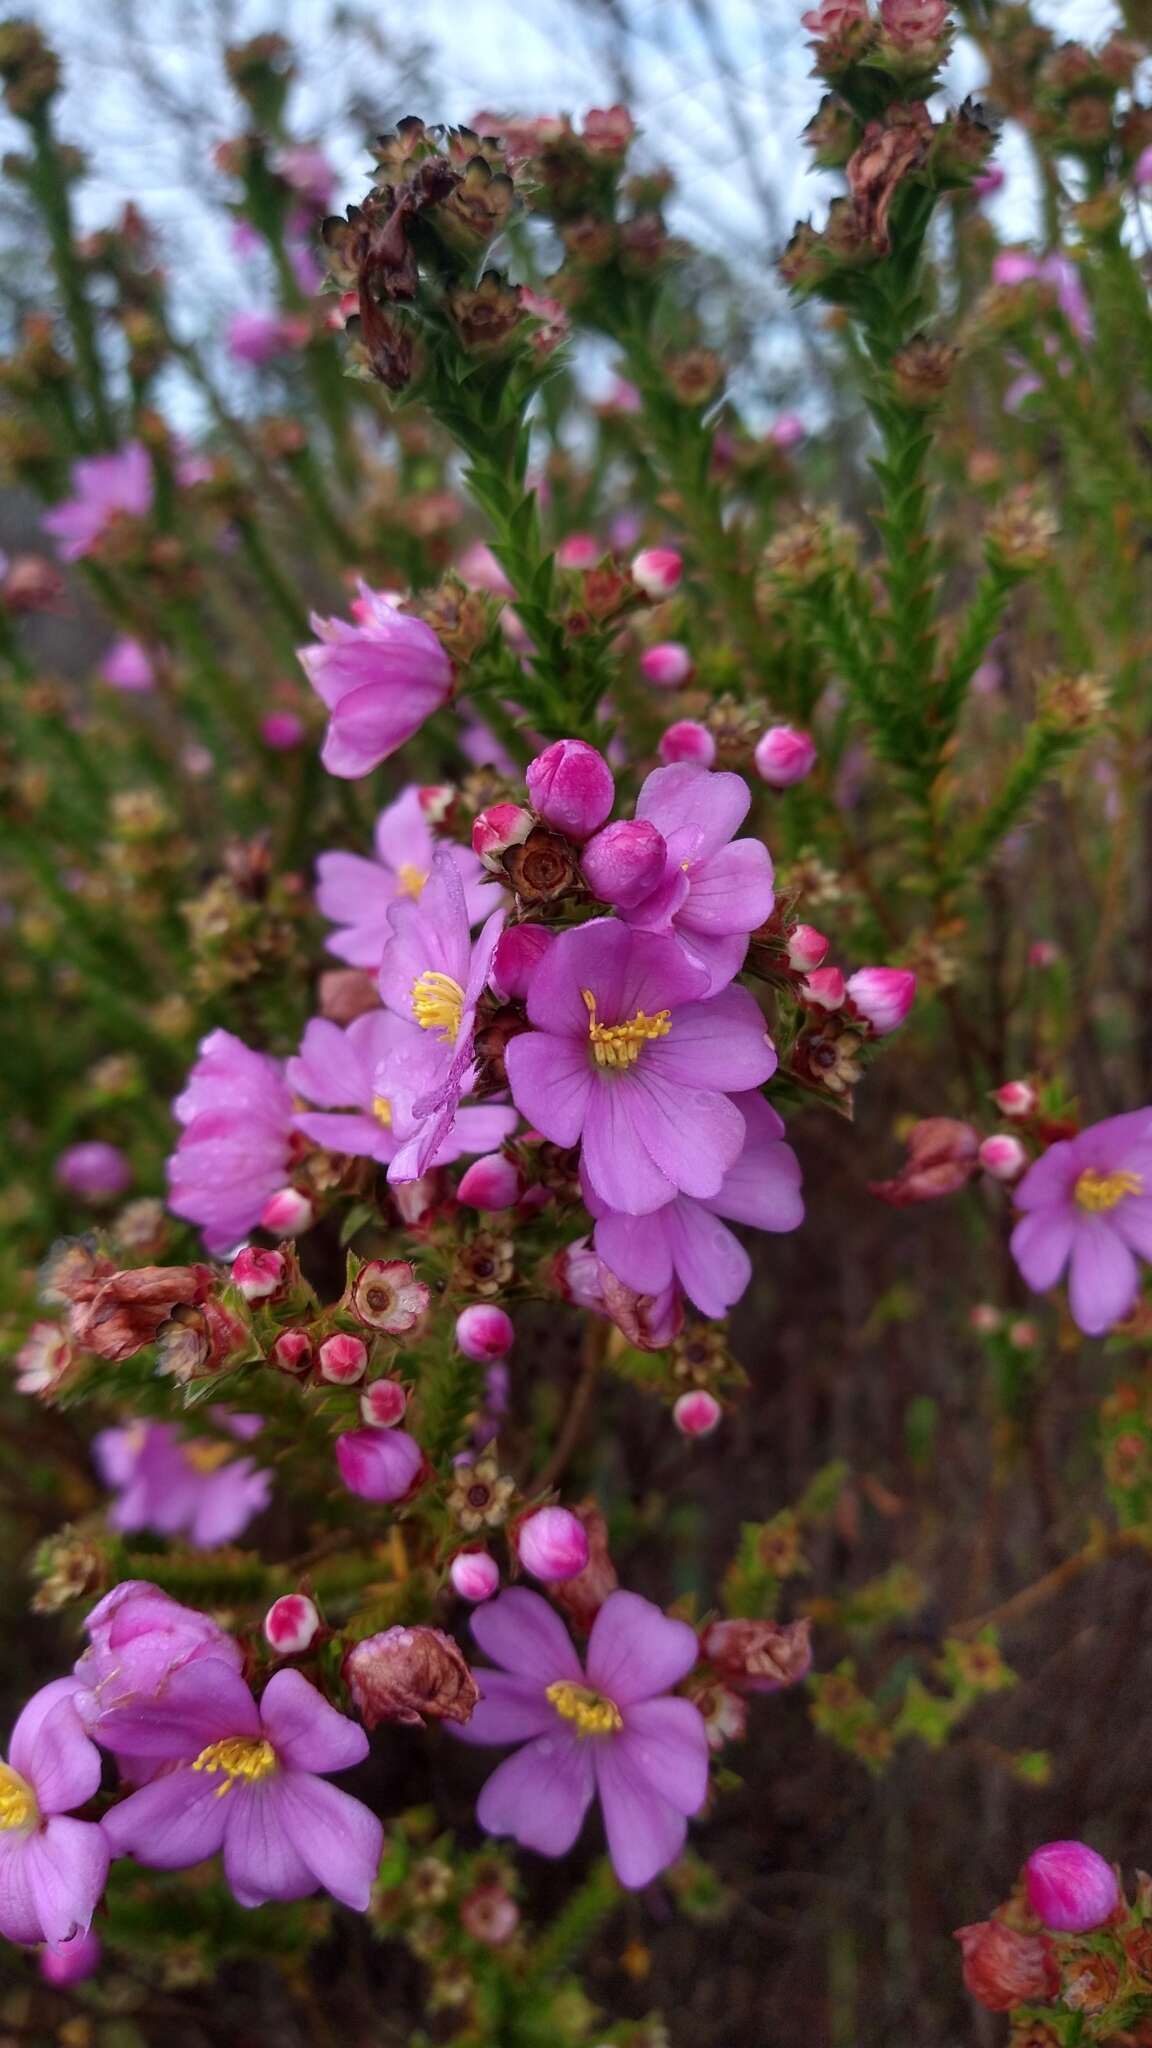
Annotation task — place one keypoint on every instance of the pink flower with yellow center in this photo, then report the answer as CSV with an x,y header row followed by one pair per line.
x,y
1087,1207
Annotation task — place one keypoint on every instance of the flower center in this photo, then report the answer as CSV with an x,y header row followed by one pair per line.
x,y
409,880
1099,1191
438,1004
207,1457
239,1756
589,1711
620,1045
18,1808
382,1111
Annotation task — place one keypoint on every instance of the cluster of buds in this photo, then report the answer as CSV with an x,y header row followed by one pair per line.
x,y
1068,1947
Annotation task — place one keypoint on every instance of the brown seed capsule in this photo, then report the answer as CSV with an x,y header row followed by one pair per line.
x,y
543,868
410,1675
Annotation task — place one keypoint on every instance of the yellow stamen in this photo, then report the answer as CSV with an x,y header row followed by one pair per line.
x,y
620,1045
409,880
18,1808
1099,1191
438,1004
382,1111
207,1457
590,1712
239,1756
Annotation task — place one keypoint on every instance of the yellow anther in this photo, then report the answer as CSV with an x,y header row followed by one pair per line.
x,y
438,1004
409,880
382,1111
589,1712
207,1457
620,1045
1099,1191
238,1756
18,1808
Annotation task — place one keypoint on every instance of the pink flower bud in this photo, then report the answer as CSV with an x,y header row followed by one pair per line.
x,y
1023,1335
287,1213
697,1413
985,1318
1070,1888
1142,169
1003,1156
382,1405
657,571
552,1544
498,828
474,1575
687,741
788,431
1015,1098
882,995
571,788
378,1464
292,1351
72,1962
579,551
416,1199
283,731
291,1624
825,987
943,1155
493,1182
625,862
96,1172
342,1359
806,948
484,1332
784,756
1043,953
258,1274
666,665
519,951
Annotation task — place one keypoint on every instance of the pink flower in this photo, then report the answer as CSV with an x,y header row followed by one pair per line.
x,y
666,665
1142,169
608,131
304,166
378,1464
825,988
832,16
346,1072
474,1575
697,1413
257,337
484,1332
233,1151
1015,1098
178,1486
342,1359
552,1544
380,678
570,787
283,731
579,551
288,1213
128,666
784,756
714,890
141,1641
104,487
283,1831
687,741
95,1171
686,1244
292,1624
609,1729
882,995
910,23
1070,1888
657,571
943,1156
1003,1156
52,1868
357,894
627,1060
386,1295
1088,1206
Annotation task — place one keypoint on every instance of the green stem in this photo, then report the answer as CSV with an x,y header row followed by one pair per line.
x,y
50,186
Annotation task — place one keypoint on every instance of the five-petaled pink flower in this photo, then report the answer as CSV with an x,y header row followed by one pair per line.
x,y
380,678
103,487
233,1152
1088,1205
52,1867
357,894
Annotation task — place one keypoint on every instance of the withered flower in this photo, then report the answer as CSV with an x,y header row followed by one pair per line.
x,y
128,1308
826,1055
888,153
410,1676
543,868
197,1342
486,317
943,1156
922,371
480,1495
759,1656
485,1265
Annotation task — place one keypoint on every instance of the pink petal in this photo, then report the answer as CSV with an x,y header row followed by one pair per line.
x,y
686,794
1041,1243
305,1732
348,888
693,1134
619,1132
521,1632
731,891
50,1749
1133,1219
402,837
338,1837
1104,1279
199,1704
590,956
722,1043
261,1860
645,1832
541,1795
712,1266
638,1249
551,1082
1050,1178
636,1651
67,1863
174,1821
360,1137
666,1742
509,1710
19,1918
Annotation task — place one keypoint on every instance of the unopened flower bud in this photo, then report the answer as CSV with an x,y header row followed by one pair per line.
x,y
687,741
410,1676
882,995
1015,1098
287,1213
96,1171
825,987
943,1155
292,1351
484,1332
283,731
625,862
657,571
784,756
1023,1334
493,1182
666,666
806,948
1070,1888
985,1318
72,1963
571,788
1003,1156
552,1544
258,1274
519,951
697,1413
1003,1968
789,430
578,551
378,1464
291,1624
498,828
382,1405
474,1575
342,1359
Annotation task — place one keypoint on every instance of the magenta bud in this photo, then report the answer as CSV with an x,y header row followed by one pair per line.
x,y
498,828
258,1274
72,1961
882,995
571,788
687,741
283,731
484,1332
96,1172
788,431
806,948
784,756
1070,1888
378,1464
697,1413
382,1405
825,987
625,862
579,551
1015,1098
666,665
657,571
1003,1156
552,1544
342,1359
493,1182
474,1575
292,1351
1142,169
287,1213
291,1624
519,951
